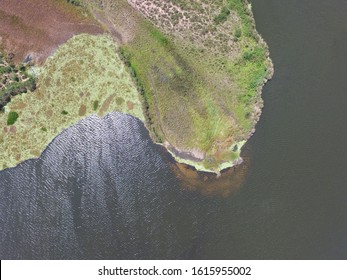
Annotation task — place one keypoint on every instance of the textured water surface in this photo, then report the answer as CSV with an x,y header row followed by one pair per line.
x,y
100,190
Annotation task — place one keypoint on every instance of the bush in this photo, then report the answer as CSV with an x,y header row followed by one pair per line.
x,y
247,55
223,16
12,118
15,78
237,33
75,2
22,68
95,105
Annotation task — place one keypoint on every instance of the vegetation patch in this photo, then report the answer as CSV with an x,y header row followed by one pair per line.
x,y
96,105
222,16
75,2
199,66
12,118
58,103
14,80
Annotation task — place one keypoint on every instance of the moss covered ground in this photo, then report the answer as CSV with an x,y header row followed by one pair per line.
x,y
85,76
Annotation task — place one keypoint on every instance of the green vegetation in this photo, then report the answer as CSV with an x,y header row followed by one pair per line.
x,y
14,80
96,105
223,16
12,118
237,33
188,107
75,2
159,36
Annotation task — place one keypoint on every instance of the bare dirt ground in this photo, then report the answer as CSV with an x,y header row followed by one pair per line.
x,y
38,27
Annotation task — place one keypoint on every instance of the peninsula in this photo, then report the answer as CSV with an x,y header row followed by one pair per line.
x,y
192,71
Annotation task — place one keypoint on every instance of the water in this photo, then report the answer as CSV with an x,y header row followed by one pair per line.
x,y
103,190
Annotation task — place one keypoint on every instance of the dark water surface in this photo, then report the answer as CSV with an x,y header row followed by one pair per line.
x,y
102,189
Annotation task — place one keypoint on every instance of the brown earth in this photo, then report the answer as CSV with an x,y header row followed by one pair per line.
x,y
38,27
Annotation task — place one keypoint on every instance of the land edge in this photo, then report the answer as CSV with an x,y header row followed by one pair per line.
x,y
190,156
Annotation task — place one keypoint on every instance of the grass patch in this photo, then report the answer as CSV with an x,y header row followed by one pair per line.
x,y
223,16
75,2
119,100
12,118
159,36
95,105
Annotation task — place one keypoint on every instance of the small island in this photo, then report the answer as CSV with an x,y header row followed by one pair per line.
x,y
192,71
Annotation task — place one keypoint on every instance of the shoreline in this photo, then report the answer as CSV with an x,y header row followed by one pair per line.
x,y
197,163
195,158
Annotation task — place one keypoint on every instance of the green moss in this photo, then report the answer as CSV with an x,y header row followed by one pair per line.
x,y
64,112
12,118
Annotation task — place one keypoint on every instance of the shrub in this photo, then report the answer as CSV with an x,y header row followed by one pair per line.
x,y
75,2
95,105
12,118
223,16
237,33
247,55
15,78
22,68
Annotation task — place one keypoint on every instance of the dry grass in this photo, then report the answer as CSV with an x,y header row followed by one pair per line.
x,y
38,27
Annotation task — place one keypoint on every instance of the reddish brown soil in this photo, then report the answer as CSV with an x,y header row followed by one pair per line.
x,y
38,27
